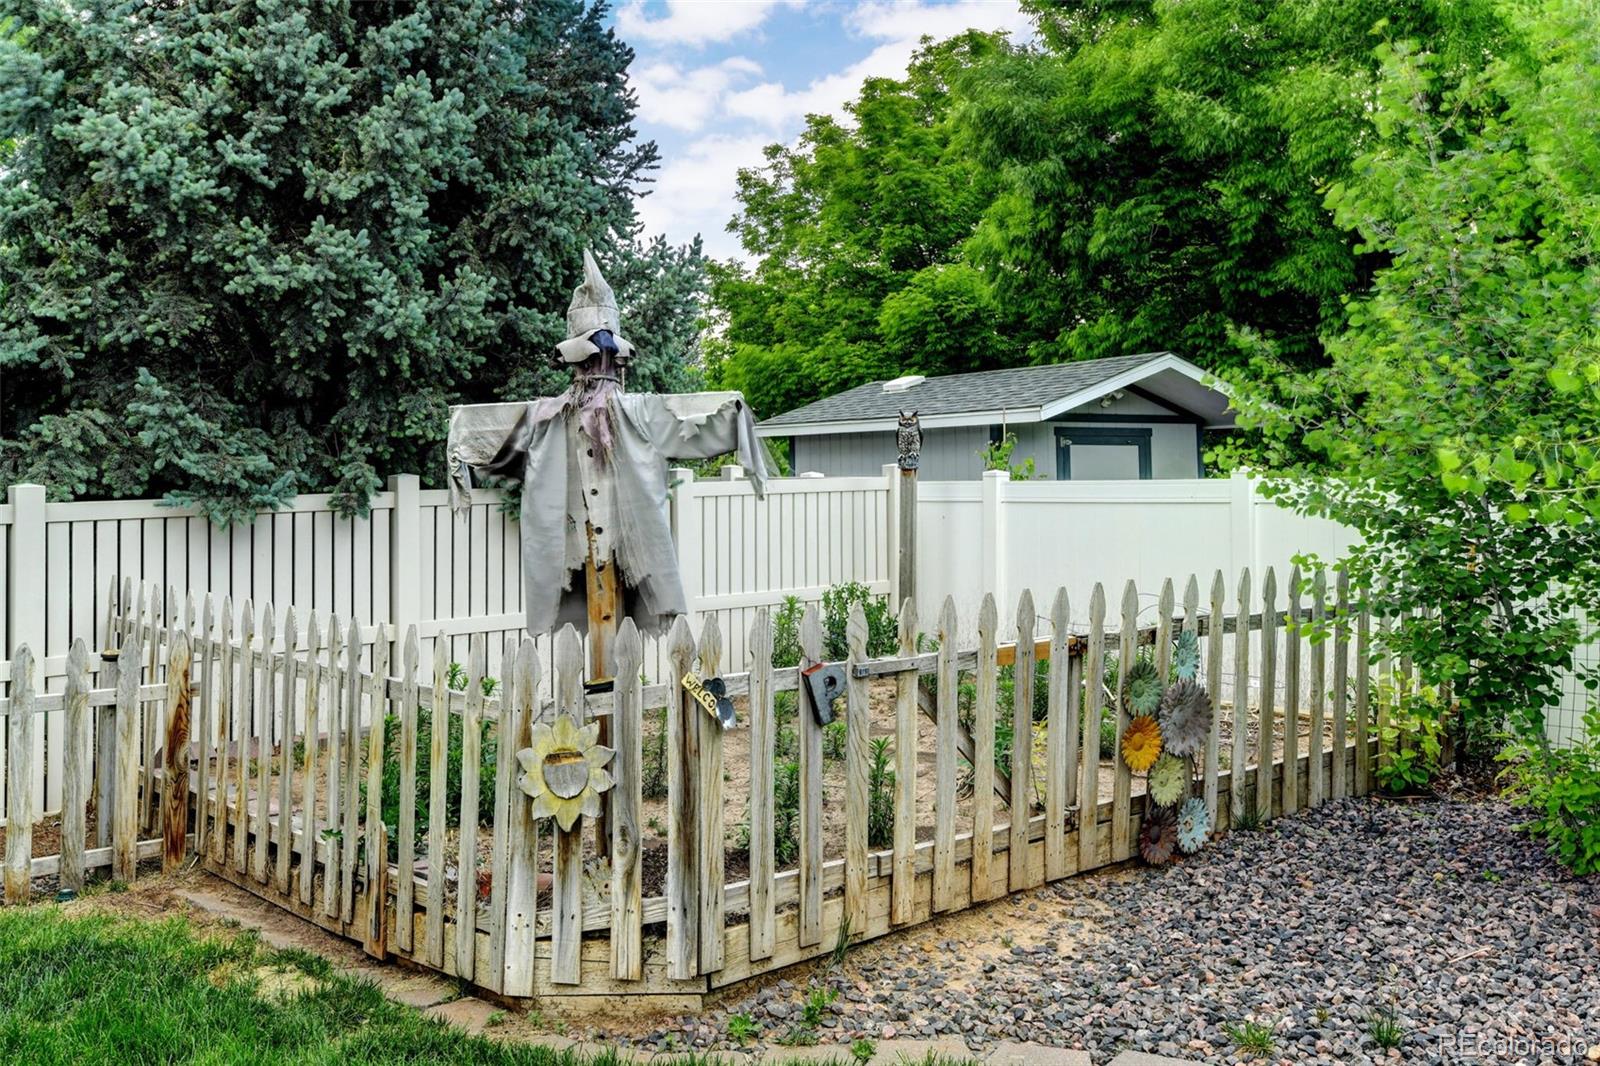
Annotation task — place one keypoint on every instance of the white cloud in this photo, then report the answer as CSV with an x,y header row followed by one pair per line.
x,y
901,27
694,190
692,22
687,99
781,109
911,21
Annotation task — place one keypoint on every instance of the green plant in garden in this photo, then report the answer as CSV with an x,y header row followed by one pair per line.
x,y
882,630
786,633
841,944
456,678
880,795
835,739
742,1029
862,1050
1248,819
1560,788
488,751
1383,1025
786,811
1412,745
1252,1038
817,1002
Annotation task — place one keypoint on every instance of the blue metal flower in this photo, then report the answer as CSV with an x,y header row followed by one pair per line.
x,y
1186,656
1194,825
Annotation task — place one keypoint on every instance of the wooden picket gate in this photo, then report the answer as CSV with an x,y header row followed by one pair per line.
x,y
305,776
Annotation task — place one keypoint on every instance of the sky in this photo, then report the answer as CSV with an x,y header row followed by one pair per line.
x,y
718,80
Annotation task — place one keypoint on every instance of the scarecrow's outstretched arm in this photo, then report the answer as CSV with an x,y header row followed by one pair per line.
x,y
698,425
489,438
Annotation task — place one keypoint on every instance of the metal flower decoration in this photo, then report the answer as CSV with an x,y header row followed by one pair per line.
x,y
1186,656
1194,825
564,770
1169,780
1185,718
1144,687
1141,743
1158,836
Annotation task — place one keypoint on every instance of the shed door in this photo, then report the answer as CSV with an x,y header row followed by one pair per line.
x,y
1084,454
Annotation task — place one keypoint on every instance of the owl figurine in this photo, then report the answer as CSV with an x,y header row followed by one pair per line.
x,y
908,437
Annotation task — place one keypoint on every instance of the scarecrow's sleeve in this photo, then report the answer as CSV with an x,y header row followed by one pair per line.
x,y
488,438
698,425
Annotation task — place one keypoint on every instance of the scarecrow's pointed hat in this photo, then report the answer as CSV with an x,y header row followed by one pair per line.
x,y
593,308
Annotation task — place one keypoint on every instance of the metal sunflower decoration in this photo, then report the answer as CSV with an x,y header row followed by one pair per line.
x,y
1185,718
1169,780
1194,825
1186,656
1158,836
1144,687
564,770
1141,743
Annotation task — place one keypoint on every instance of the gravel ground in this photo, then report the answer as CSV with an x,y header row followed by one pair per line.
x,y
1436,911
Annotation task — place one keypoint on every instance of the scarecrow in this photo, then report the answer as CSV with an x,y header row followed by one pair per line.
x,y
596,537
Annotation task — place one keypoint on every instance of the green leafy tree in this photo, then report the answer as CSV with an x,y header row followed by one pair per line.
x,y
1164,166
254,247
1478,191
856,234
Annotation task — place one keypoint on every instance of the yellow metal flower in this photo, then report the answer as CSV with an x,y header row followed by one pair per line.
x,y
1141,743
564,771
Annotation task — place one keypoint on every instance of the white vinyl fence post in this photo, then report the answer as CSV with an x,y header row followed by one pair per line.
x,y
995,489
25,606
405,550
1242,523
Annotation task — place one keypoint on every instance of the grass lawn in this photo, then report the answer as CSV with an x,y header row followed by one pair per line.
x,y
98,987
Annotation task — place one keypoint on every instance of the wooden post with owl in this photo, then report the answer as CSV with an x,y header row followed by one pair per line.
x,y
908,438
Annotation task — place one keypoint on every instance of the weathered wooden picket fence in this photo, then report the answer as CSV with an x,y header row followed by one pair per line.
x,y
289,733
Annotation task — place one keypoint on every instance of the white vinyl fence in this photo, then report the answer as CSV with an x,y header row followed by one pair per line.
x,y
1001,536
411,561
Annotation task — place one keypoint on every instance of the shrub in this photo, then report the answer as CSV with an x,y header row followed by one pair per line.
x,y
489,743
1561,788
1412,742
882,630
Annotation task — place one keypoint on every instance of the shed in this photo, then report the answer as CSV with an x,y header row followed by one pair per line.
x,y
1122,418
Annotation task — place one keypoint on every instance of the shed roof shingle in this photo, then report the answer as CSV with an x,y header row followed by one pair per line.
x,y
984,390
